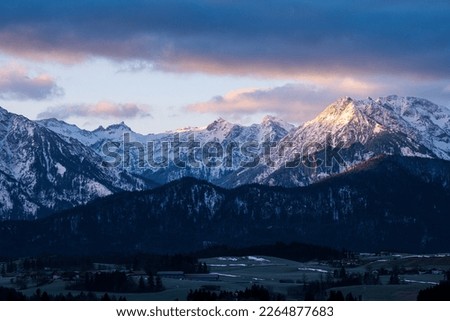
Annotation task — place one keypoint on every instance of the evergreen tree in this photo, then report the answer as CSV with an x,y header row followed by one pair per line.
x,y
394,278
150,282
336,296
158,284
141,285
45,297
349,297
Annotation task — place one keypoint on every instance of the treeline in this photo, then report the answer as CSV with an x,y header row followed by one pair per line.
x,y
339,296
293,251
188,263
151,263
118,282
255,293
300,290
9,294
439,292
320,290
57,262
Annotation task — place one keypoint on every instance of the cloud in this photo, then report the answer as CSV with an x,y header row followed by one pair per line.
x,y
16,83
294,102
300,102
102,109
279,38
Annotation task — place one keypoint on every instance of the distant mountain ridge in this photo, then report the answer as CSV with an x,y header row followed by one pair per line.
x,y
357,129
220,131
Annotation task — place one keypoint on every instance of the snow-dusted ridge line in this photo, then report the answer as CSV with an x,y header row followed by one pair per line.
x,y
406,126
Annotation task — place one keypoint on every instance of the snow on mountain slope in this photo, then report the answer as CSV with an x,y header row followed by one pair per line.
x,y
357,130
41,172
429,120
421,127
348,131
220,131
90,138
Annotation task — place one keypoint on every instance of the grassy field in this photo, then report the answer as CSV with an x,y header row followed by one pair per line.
x,y
288,277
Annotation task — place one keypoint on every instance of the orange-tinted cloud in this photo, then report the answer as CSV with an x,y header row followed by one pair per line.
x,y
293,102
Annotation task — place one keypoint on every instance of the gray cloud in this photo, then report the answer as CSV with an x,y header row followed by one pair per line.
x,y
17,83
102,109
281,37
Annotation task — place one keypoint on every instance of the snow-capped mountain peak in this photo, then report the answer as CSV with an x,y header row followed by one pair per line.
x,y
99,129
272,121
340,113
357,121
219,124
119,127
359,130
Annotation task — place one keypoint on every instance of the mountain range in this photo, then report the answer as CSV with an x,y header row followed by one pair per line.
x,y
346,133
354,176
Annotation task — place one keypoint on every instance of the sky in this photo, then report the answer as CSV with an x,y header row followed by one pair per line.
x,y
162,65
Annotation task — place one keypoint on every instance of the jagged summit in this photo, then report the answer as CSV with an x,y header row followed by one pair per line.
x,y
270,118
273,121
219,124
121,126
423,127
99,129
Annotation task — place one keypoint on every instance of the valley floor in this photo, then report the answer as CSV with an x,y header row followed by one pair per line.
x,y
364,277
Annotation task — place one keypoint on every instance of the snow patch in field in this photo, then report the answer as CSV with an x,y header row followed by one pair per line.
x,y
258,259
312,270
227,259
421,282
226,275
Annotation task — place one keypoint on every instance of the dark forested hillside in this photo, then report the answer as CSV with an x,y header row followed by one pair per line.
x,y
393,203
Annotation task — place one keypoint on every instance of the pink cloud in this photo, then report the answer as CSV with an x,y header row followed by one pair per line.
x,y
16,82
102,109
293,102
